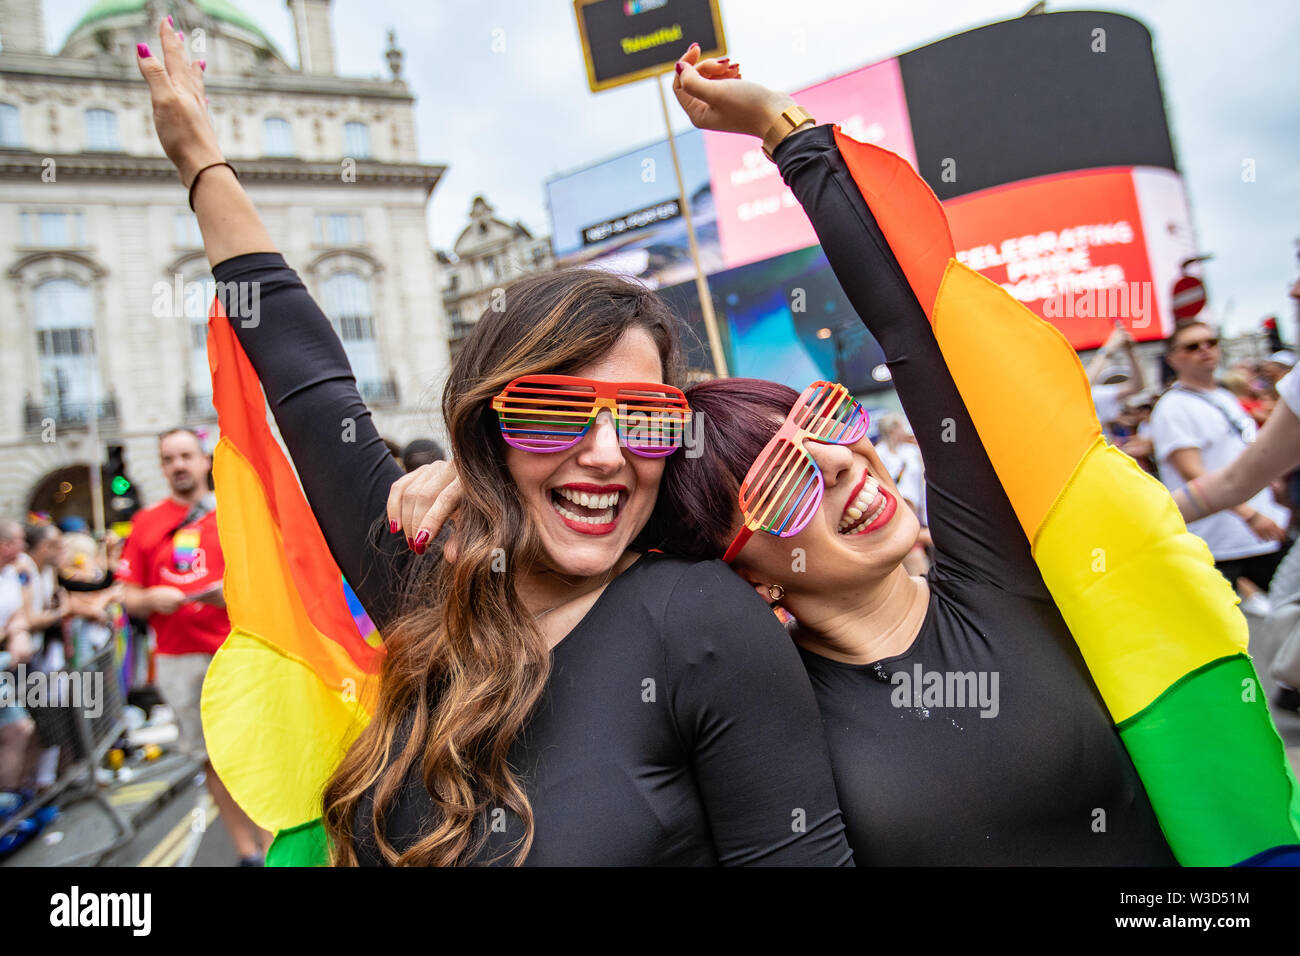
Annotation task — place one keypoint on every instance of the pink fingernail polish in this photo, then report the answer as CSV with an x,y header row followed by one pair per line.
x,y
421,540
410,543
393,526
142,50
680,66
725,59
180,35
203,64
170,24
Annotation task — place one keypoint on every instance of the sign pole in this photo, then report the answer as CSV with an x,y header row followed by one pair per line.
x,y
701,281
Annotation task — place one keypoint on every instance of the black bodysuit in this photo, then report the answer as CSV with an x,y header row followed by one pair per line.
x,y
677,726
1045,778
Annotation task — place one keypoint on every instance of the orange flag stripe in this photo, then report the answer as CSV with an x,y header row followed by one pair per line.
x,y
907,211
260,596
241,414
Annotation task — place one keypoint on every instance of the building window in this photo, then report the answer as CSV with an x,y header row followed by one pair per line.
x,y
65,346
52,228
199,292
340,229
356,140
277,137
11,129
346,297
187,231
101,130
453,283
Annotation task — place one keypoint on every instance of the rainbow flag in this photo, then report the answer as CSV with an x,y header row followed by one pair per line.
x,y
296,680
1156,623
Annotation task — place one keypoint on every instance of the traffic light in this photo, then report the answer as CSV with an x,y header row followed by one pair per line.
x,y
121,500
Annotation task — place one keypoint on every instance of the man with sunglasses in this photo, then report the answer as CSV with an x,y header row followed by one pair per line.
x,y
1199,426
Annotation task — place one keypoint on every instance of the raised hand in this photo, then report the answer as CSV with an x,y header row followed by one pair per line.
x,y
180,112
721,100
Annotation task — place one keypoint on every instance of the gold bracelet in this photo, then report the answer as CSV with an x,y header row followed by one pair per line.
x,y
790,120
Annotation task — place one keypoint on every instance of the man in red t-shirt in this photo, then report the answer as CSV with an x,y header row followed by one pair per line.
x,y
172,568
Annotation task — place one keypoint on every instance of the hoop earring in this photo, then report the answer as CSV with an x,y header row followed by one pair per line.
x,y
775,592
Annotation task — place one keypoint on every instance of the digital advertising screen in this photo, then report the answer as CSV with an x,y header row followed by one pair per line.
x,y
1044,137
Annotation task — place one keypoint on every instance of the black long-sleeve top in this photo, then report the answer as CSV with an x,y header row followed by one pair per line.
x,y
677,725
1045,779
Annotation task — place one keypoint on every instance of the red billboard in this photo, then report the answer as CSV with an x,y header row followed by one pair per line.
x,y
1081,249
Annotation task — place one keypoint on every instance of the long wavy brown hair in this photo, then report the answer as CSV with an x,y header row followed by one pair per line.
x,y
466,662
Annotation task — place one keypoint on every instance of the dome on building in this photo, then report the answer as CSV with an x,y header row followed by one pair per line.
x,y
223,10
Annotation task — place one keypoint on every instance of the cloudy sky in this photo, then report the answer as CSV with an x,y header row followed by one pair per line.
x,y
503,101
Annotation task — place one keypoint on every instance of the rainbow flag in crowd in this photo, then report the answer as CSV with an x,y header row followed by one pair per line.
x,y
1157,625
296,680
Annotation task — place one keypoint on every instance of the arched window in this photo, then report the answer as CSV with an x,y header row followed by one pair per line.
x,y
65,345
101,130
347,303
11,127
277,137
356,140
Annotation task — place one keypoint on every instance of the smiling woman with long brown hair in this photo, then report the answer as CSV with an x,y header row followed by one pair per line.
x,y
555,695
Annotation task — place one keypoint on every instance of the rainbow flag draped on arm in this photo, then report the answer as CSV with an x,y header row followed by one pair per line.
x,y
296,680
1157,625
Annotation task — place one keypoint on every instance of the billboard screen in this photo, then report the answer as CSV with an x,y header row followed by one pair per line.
x,y
1044,137
625,214
757,214
1081,249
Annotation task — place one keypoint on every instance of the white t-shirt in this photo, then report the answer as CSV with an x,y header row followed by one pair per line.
x,y
1214,422
1105,398
1288,389
11,594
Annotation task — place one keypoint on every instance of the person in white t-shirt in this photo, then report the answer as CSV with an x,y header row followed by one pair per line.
x,y
1197,427
1275,452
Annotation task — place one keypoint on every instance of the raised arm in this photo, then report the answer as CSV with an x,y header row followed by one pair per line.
x,y
1275,451
343,464
971,520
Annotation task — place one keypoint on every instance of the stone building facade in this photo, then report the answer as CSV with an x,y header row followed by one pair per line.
x,y
489,253
104,304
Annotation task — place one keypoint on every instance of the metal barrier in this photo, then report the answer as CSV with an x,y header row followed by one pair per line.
x,y
88,739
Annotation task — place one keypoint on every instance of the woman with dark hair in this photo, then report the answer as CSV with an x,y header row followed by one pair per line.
x,y
968,722
554,696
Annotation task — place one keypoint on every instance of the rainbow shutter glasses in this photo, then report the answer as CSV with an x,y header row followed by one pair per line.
x,y
783,488
549,413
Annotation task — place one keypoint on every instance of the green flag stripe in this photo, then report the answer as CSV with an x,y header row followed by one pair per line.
x,y
1209,756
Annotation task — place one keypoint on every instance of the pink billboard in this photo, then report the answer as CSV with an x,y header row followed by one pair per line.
x,y
758,217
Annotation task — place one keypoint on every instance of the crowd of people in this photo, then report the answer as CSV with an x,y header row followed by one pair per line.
x,y
65,596
585,668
